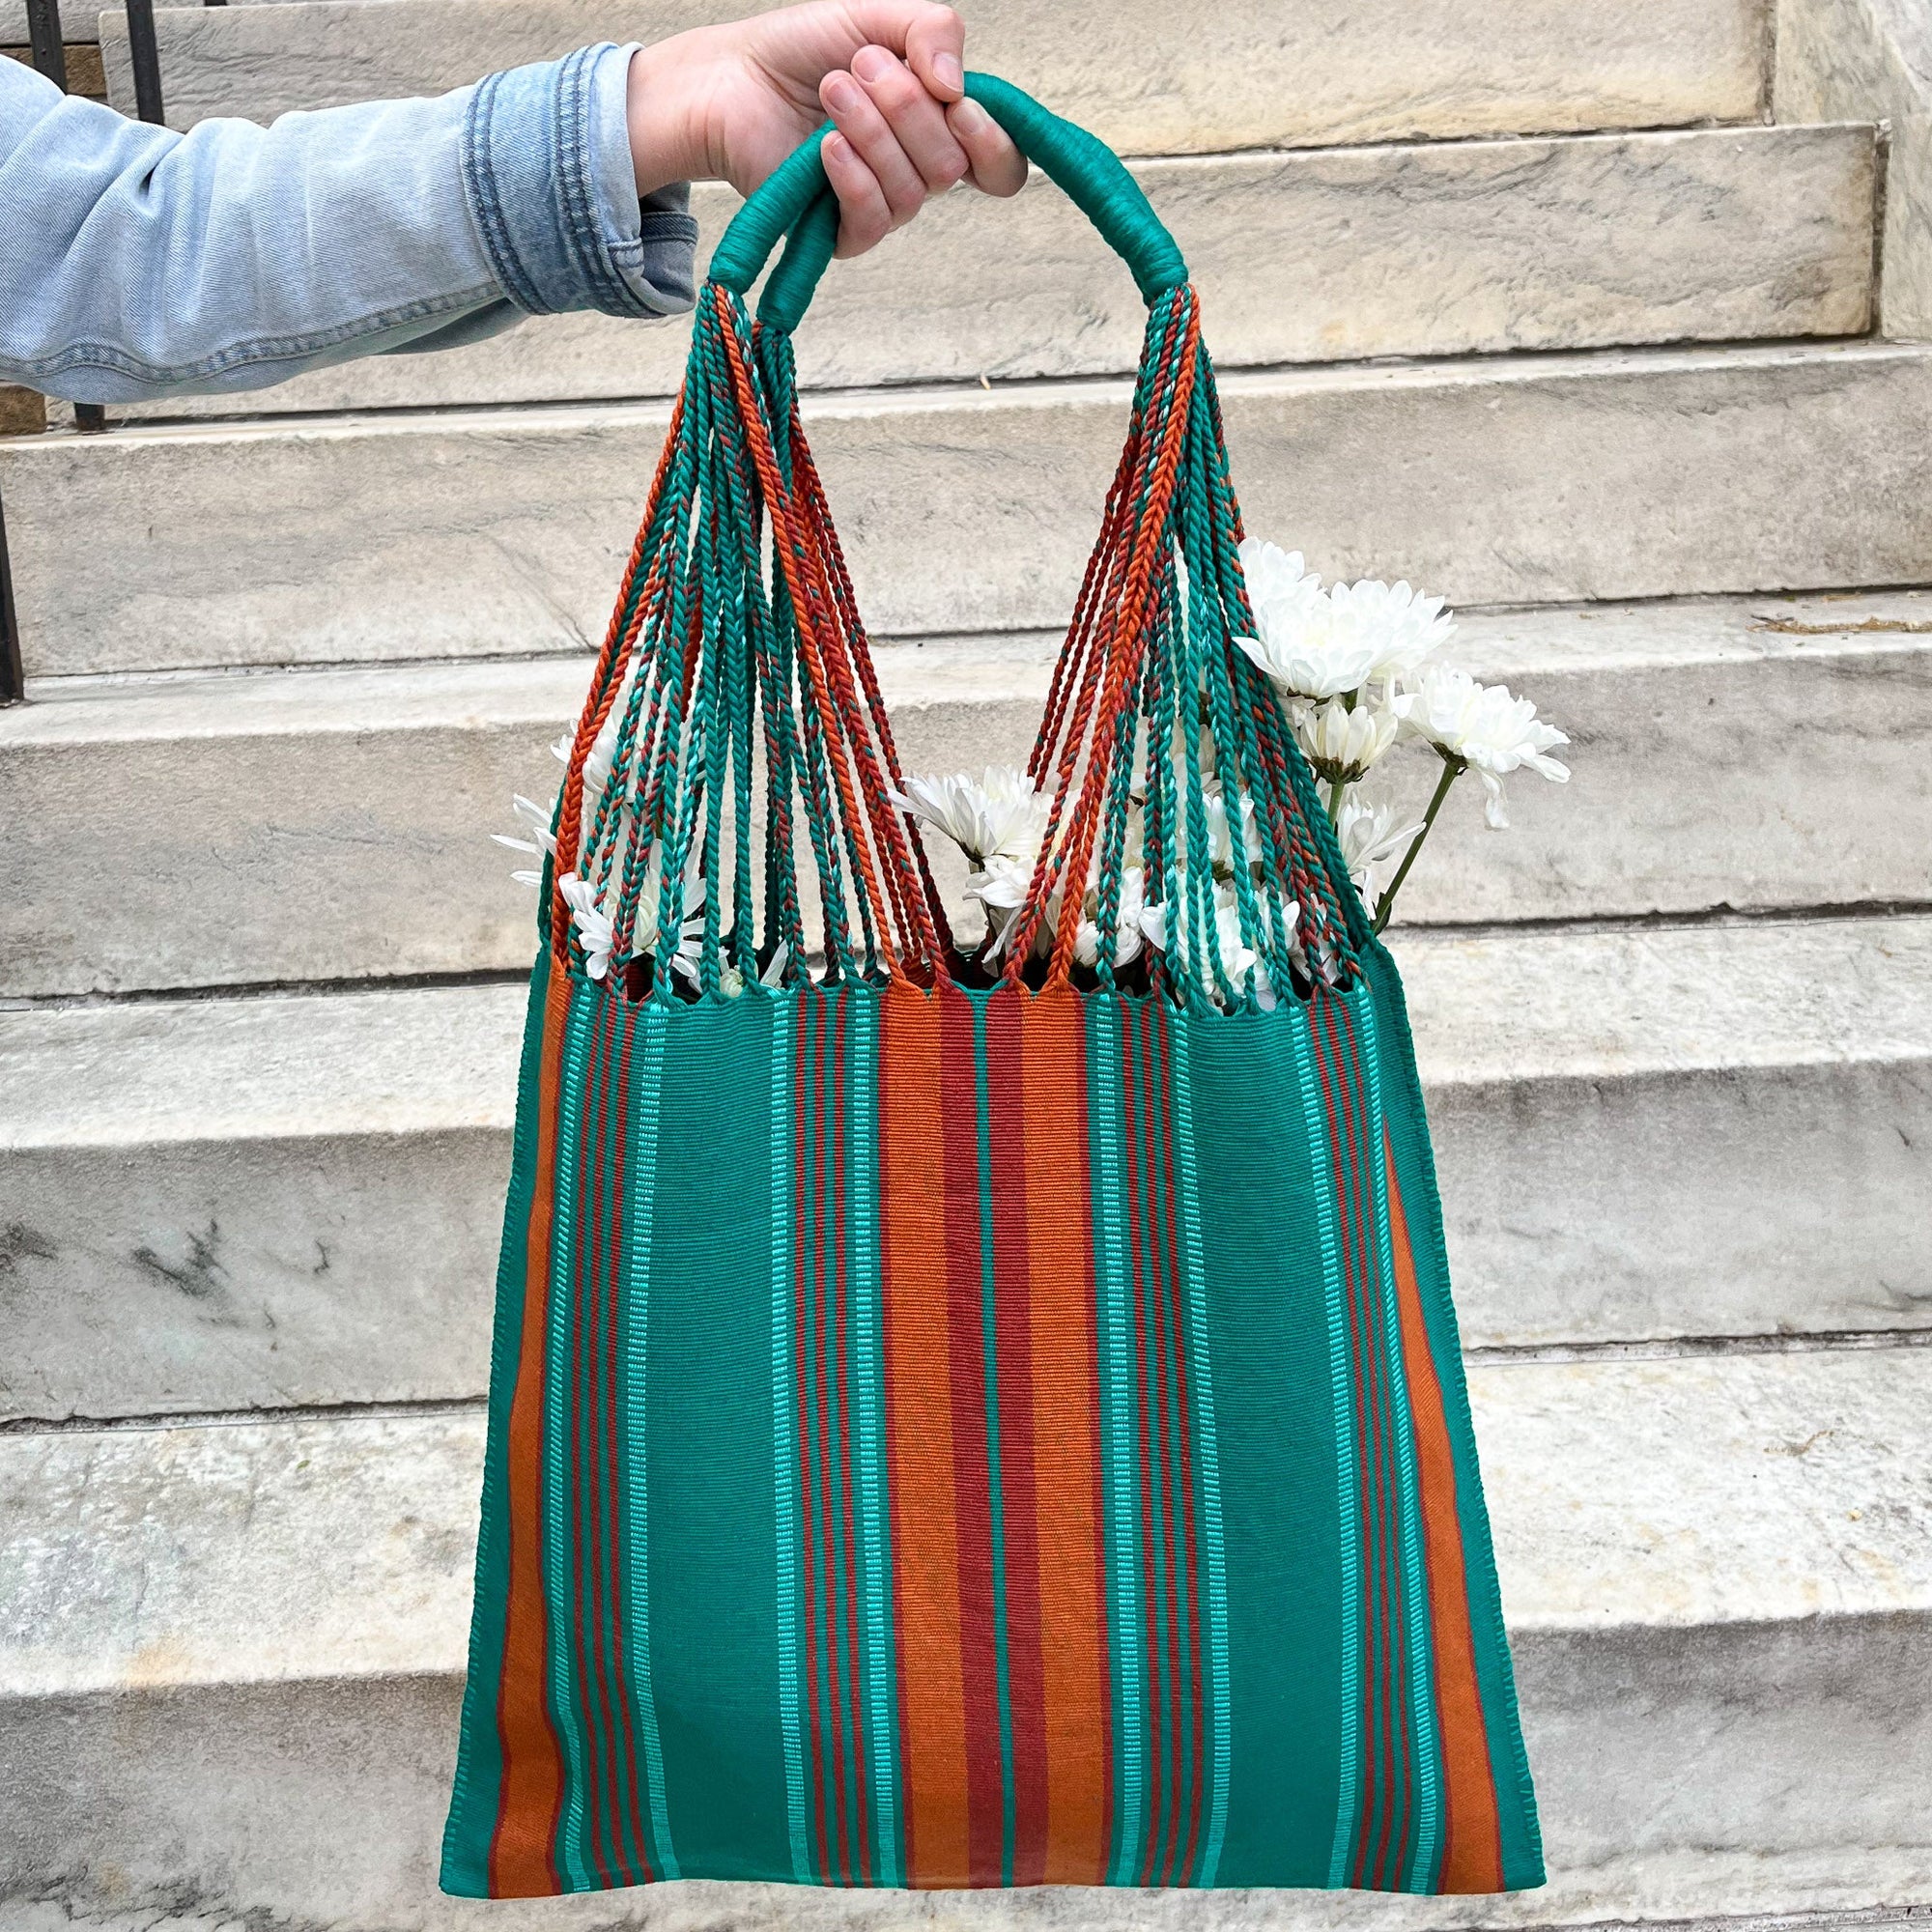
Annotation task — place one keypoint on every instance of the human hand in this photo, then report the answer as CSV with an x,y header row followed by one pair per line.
x,y
730,102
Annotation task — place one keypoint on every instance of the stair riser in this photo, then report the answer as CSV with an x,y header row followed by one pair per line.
x,y
211,1276
1147,77
1791,1758
342,853
1626,476
1728,233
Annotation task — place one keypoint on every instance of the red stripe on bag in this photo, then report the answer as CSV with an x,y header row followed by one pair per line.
x,y
972,1451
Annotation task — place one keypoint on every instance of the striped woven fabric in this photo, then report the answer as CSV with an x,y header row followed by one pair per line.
x,y
901,1472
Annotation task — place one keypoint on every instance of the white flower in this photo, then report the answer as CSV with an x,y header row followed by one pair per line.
x,y
1001,888
1220,844
1399,626
1236,957
1316,645
535,818
1481,724
1371,839
1342,744
591,920
997,815
1128,937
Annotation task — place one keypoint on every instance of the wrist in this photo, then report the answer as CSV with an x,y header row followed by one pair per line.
x,y
666,144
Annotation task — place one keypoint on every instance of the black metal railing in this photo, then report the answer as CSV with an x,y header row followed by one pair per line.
x,y
50,50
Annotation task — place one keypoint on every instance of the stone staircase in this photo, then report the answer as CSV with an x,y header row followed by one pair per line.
x,y
1551,306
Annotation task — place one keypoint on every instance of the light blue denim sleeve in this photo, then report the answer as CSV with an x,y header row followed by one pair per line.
x,y
141,262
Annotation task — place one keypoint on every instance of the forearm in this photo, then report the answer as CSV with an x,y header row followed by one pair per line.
x,y
142,263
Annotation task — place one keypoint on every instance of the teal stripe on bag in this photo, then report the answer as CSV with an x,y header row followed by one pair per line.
x,y
1321,1170
642,1135
785,1436
1113,1288
1206,1450
996,1506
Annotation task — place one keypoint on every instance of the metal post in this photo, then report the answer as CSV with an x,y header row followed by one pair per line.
x,y
146,55
12,679
44,30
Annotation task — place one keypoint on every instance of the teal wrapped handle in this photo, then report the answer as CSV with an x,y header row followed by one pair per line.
x,y
797,202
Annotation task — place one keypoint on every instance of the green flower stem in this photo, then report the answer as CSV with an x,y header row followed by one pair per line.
x,y
1336,793
1453,769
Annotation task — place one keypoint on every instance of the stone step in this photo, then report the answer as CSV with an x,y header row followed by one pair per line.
x,y
1644,1135
1512,480
231,1657
330,824
1146,76
1320,255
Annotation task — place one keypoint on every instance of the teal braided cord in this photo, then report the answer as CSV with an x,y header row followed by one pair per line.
x,y
722,618
1200,874
1337,906
639,734
815,783
1111,861
810,757
773,349
661,542
772,357
771,666
1209,649
1157,836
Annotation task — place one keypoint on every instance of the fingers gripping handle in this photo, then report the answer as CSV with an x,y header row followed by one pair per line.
x,y
796,202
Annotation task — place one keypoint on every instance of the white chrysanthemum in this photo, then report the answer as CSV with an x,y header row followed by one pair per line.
x,y
1399,627
1317,645
591,920
1342,744
535,818
1001,888
1220,842
1128,937
1280,588
1236,956
997,815
1373,838
1491,731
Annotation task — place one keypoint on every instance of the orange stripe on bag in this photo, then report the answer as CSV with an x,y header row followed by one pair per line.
x,y
522,1862
1066,1445
919,1424
1471,1843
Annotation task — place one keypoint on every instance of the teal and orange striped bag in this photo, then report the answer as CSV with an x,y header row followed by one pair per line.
x,y
966,1418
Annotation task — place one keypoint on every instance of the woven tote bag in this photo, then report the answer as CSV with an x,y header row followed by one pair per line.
x,y
966,1420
